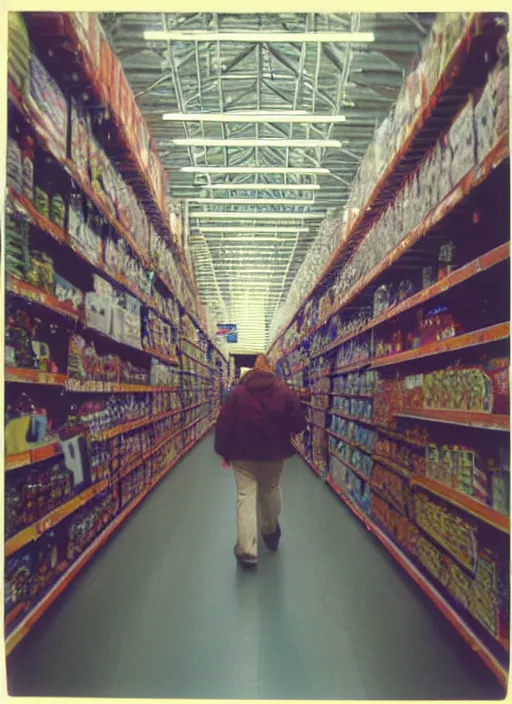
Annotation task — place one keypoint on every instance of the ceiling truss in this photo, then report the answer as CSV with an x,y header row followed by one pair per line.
x,y
244,275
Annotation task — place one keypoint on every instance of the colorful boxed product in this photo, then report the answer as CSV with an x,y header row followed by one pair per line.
x,y
18,51
49,104
17,251
395,523
391,486
448,528
14,166
484,120
80,132
461,139
17,582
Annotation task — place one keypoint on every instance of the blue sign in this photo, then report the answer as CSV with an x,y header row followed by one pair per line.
x,y
228,332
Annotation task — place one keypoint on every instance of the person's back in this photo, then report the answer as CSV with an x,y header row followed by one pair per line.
x,y
254,432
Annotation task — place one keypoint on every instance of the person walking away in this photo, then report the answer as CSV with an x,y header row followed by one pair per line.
x,y
253,433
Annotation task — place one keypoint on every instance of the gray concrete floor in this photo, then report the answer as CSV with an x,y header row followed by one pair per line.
x,y
162,611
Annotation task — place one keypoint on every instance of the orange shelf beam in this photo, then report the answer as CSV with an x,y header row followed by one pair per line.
x,y
108,387
466,503
489,421
32,456
494,333
34,376
33,532
33,294
17,635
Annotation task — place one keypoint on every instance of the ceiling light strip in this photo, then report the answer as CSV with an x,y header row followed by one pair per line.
x,y
252,117
263,187
245,215
277,143
177,35
254,170
264,229
251,201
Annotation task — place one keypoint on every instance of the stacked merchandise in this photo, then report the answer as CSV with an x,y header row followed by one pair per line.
x,y
410,352
102,325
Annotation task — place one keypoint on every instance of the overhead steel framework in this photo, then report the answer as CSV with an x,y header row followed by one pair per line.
x,y
261,120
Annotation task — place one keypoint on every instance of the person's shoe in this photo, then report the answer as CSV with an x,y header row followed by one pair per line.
x,y
248,562
271,540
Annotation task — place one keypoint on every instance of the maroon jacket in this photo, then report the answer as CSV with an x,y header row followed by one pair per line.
x,y
258,419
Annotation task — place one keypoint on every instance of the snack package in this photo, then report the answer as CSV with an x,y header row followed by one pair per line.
x,y
49,104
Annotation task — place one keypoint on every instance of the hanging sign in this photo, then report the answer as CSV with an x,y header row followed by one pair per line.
x,y
227,332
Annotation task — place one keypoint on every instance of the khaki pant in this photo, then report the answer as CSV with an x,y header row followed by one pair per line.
x,y
258,501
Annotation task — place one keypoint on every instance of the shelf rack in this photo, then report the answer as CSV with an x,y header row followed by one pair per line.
x,y
493,333
43,223
187,422
21,630
439,601
33,455
415,145
472,180
488,421
290,350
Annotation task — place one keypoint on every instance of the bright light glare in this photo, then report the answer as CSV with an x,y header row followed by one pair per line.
x,y
253,170
256,216
251,201
177,35
305,143
252,117
263,187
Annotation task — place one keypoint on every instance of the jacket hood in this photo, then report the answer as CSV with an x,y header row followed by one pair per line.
x,y
257,380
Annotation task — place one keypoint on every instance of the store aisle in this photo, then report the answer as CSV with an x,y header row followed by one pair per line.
x,y
163,611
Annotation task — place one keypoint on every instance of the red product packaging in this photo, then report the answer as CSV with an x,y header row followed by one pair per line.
x,y
126,102
114,88
94,40
155,175
498,372
105,69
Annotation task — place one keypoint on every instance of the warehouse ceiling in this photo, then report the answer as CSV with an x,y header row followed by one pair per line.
x,y
253,187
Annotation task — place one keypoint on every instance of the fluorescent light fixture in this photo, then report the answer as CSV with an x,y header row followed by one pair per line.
x,y
251,201
288,143
263,187
263,229
177,35
245,215
251,284
252,117
253,170
232,269
243,240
